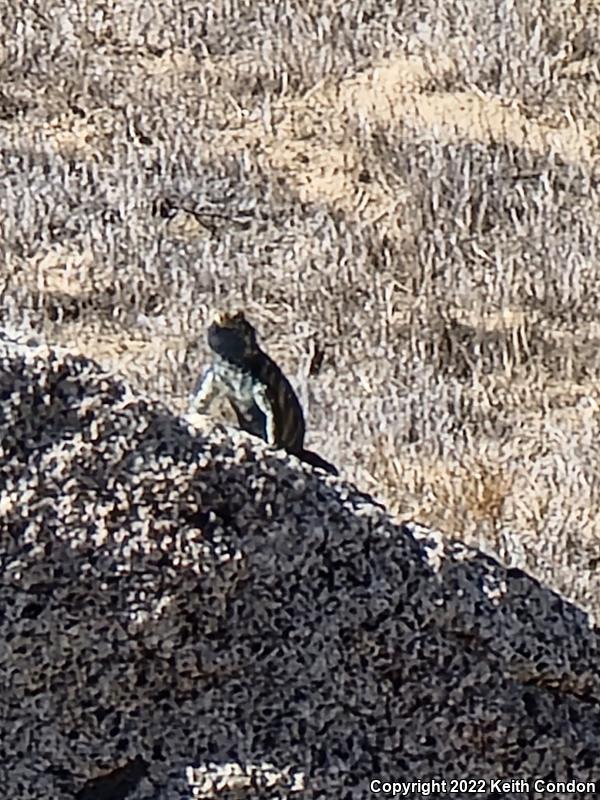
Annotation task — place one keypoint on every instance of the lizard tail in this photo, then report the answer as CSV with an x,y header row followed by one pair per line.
x,y
316,461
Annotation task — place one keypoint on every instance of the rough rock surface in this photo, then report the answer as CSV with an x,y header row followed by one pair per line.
x,y
183,611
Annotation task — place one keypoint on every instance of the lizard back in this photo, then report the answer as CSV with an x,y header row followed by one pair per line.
x,y
287,411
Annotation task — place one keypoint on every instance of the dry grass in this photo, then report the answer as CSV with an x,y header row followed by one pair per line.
x,y
406,203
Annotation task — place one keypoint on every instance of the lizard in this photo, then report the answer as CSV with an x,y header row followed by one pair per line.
x,y
262,398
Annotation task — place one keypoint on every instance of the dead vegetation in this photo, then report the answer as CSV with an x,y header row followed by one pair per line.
x,y
406,202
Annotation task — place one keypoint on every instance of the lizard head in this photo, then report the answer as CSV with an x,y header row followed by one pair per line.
x,y
232,337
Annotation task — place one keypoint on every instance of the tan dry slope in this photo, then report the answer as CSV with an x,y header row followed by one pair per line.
x,y
407,196
309,142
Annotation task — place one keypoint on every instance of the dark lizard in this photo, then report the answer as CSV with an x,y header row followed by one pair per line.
x,y
259,393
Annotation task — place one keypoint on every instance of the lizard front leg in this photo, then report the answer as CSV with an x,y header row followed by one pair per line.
x,y
264,405
204,392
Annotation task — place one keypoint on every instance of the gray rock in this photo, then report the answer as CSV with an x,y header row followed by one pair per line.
x,y
221,617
